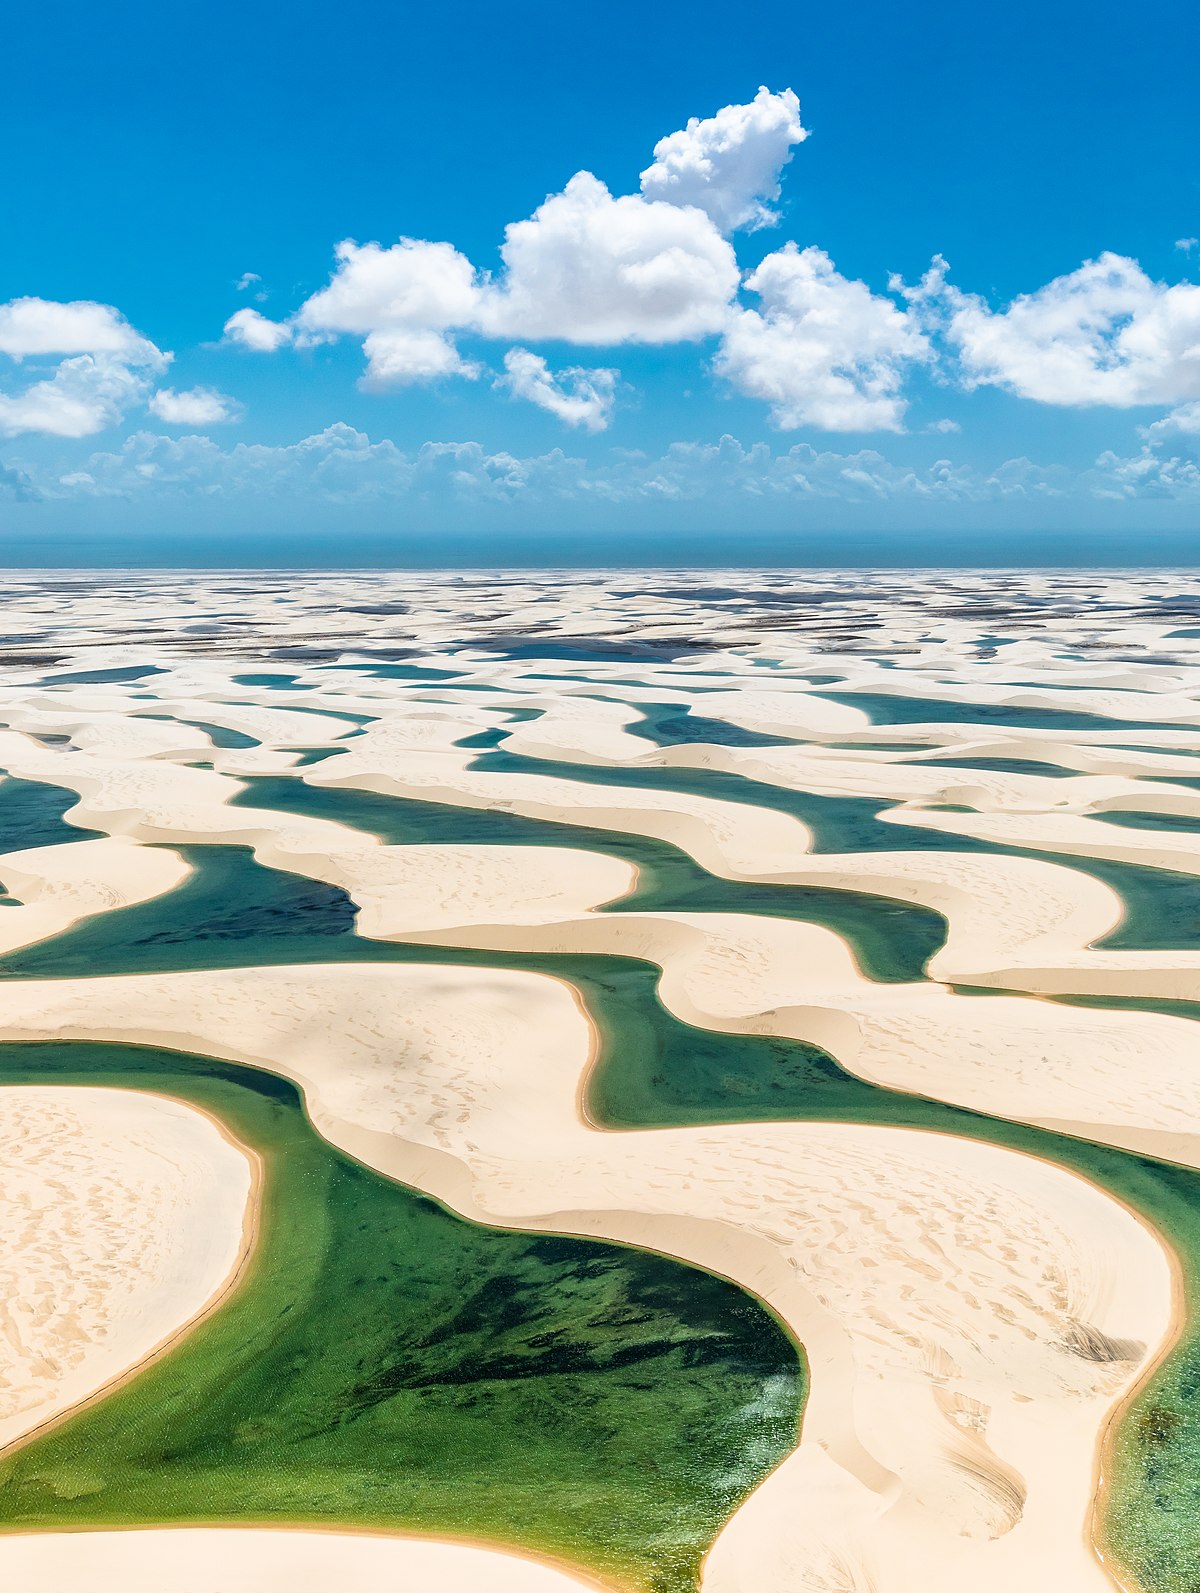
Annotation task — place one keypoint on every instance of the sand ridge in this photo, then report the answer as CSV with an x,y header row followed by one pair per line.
x,y
972,1317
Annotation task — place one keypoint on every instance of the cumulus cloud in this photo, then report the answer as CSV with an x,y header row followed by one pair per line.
x,y
587,267
1144,475
1187,244
344,466
1104,334
398,355
338,465
590,267
246,280
89,366
577,396
84,395
30,328
196,406
823,350
402,301
413,284
593,267
728,165
254,331
1181,422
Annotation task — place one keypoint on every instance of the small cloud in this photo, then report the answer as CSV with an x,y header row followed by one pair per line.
x,y
1186,245
1181,422
198,406
400,355
16,484
576,396
253,331
247,280
945,427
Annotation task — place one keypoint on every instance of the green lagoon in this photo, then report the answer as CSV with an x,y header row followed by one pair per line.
x,y
481,1365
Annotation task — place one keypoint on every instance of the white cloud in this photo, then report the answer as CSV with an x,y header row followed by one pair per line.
x,y
413,284
1104,334
105,371
1187,244
1181,422
247,280
823,350
1144,475
38,327
343,466
400,355
728,165
945,427
255,332
84,395
402,301
587,267
577,396
196,406
591,267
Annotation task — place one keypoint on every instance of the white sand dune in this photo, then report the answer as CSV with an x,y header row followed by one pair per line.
x,y
1005,925
57,886
122,1217
961,1371
972,1316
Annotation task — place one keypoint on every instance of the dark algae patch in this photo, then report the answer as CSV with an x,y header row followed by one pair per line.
x,y
388,1364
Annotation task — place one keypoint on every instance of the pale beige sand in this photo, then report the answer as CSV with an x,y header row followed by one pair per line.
x,y
57,886
1004,914
962,1369
122,1216
246,1560
951,1436
1007,916
434,886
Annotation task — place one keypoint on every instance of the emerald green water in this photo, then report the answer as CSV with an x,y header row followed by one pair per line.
x,y
885,708
31,814
892,940
653,1070
388,1364
1183,823
669,724
1162,909
1047,770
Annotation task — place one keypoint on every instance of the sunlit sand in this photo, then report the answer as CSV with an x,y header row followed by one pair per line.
x,y
976,1312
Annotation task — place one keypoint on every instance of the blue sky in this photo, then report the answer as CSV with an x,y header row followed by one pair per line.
x,y
745,349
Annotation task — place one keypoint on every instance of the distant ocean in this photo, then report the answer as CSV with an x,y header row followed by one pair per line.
x,y
337,549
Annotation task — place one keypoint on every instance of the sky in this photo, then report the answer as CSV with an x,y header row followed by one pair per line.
x,y
618,283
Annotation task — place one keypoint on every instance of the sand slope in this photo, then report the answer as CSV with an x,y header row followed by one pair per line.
x,y
121,1216
970,1315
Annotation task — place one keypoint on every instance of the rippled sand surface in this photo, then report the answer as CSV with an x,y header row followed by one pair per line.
x,y
768,786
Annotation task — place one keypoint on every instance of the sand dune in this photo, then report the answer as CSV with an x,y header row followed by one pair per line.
x,y
121,1217
972,1316
57,886
960,1425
